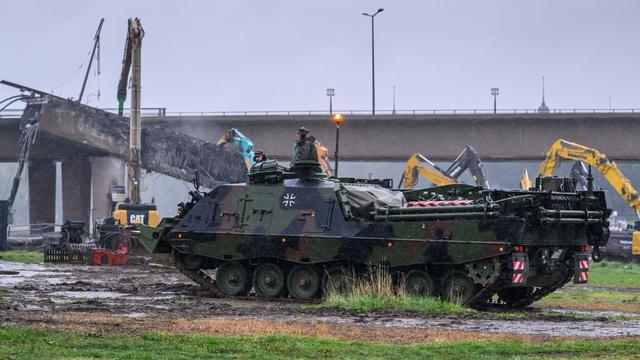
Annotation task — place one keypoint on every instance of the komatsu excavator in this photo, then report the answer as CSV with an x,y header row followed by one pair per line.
x,y
419,165
563,149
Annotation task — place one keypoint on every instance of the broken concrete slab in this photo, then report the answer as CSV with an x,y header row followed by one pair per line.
x,y
164,151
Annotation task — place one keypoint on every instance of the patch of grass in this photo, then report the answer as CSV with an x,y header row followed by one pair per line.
x,y
367,303
22,256
18,343
611,273
588,295
594,298
378,291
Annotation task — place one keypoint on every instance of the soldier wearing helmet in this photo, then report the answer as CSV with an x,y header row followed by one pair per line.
x,y
259,156
304,148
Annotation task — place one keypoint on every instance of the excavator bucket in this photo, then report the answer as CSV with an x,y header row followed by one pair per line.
x,y
525,182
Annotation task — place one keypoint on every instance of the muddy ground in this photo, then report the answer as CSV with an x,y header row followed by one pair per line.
x,y
157,297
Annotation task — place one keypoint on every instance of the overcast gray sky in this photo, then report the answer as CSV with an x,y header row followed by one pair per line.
x,y
282,55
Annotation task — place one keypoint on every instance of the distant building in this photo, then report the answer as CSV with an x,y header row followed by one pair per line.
x,y
543,108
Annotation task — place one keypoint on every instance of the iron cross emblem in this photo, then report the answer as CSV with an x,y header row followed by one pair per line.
x,y
288,200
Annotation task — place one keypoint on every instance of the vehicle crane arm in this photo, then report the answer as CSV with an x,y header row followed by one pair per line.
x,y
418,165
134,37
468,160
563,149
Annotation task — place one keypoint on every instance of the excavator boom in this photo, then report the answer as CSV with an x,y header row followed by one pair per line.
x,y
419,165
468,160
563,149
134,37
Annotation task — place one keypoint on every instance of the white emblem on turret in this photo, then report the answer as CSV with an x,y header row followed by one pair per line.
x,y
288,200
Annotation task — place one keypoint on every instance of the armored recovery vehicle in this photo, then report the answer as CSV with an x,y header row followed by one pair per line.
x,y
292,234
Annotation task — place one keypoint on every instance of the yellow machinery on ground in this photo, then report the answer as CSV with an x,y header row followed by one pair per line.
x,y
419,165
562,149
130,214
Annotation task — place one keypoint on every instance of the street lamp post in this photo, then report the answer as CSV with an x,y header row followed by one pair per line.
x,y
373,63
495,92
337,119
330,93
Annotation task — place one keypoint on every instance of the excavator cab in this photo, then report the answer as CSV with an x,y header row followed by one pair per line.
x,y
635,239
133,215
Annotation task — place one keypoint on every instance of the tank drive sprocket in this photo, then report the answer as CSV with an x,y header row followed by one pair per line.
x,y
484,272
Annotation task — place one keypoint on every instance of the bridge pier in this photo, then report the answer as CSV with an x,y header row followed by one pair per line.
x,y
76,190
42,191
106,171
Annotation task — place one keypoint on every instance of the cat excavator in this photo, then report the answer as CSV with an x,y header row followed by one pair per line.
x,y
563,149
131,211
419,165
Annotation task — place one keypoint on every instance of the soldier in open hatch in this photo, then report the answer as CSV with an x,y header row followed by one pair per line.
x,y
259,156
304,148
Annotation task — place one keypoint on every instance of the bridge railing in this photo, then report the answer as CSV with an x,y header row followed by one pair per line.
x,y
392,112
161,112
10,113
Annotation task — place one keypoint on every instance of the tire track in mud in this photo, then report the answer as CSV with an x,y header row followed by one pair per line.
x,y
157,297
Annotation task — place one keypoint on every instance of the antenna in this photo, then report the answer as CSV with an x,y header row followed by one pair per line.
x,y
394,99
543,108
96,45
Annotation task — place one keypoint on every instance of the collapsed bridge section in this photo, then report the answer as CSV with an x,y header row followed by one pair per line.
x,y
93,145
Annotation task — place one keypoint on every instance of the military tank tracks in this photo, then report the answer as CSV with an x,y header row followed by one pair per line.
x,y
474,285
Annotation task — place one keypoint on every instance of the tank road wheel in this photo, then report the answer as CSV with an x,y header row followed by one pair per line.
x,y
419,283
512,296
458,288
268,280
335,280
303,282
233,279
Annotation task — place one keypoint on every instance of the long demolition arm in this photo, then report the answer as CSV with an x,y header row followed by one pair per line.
x,y
468,160
132,60
418,165
563,149
126,66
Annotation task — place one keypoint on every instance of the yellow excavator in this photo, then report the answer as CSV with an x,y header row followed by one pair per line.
x,y
131,211
563,149
419,165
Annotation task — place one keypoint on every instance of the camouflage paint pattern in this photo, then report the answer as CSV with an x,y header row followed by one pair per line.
x,y
308,220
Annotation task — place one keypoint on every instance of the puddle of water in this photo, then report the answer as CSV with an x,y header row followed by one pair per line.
x,y
586,328
135,315
148,298
88,294
35,308
593,313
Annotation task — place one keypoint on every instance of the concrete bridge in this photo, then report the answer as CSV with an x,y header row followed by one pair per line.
x,y
497,137
92,145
